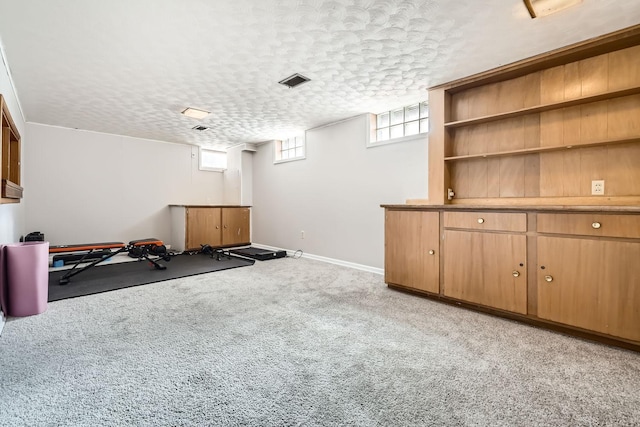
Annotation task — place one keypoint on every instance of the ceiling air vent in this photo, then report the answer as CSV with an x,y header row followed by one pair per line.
x,y
199,127
294,80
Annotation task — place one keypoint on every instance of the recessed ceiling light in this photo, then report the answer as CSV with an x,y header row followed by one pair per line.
x,y
294,80
195,113
546,7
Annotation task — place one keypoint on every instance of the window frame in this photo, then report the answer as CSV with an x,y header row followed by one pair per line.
x,y
277,149
209,168
372,131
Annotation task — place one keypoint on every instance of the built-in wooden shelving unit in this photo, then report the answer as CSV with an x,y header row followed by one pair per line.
x,y
11,190
512,225
542,129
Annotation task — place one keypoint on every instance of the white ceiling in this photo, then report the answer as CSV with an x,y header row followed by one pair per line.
x,y
129,67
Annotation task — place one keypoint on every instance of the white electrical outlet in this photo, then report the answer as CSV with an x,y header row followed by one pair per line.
x,y
597,187
302,234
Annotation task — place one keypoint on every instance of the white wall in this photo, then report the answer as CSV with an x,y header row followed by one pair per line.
x,y
12,215
91,187
238,179
246,188
334,195
233,176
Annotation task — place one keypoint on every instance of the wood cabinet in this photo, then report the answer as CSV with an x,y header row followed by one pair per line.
x,y
591,284
10,164
597,224
571,268
512,155
482,263
486,268
217,226
486,221
203,226
412,249
235,226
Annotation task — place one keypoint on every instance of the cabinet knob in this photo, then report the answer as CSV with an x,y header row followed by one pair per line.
x,y
217,227
431,252
480,220
548,278
596,225
516,273
225,227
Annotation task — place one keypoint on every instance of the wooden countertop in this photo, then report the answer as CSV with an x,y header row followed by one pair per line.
x,y
210,206
539,208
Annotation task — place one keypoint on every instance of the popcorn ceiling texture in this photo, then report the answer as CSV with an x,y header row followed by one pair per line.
x,y
129,67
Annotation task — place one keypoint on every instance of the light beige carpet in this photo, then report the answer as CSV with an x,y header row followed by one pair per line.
x,y
295,342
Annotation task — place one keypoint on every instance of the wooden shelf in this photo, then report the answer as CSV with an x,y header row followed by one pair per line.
x,y
10,188
546,107
628,204
525,151
513,132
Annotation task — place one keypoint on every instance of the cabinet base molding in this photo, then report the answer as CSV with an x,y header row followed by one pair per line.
x,y
532,321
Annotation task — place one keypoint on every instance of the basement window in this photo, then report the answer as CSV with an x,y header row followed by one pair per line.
x,y
213,160
289,149
400,124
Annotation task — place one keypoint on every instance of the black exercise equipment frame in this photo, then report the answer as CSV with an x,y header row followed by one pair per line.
x,y
144,248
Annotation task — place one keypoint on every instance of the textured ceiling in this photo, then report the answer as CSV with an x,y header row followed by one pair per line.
x,y
129,67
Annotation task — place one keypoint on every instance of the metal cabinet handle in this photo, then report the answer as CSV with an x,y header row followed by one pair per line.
x,y
431,252
548,278
596,225
480,220
516,273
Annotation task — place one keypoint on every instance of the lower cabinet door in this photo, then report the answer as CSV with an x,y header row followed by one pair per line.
x,y
412,247
235,226
202,227
591,284
486,268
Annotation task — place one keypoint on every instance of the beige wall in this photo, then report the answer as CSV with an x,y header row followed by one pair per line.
x,y
334,195
93,187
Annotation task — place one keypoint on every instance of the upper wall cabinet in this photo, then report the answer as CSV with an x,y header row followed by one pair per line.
x,y
540,131
10,157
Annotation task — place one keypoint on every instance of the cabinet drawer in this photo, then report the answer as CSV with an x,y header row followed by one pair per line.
x,y
590,224
498,221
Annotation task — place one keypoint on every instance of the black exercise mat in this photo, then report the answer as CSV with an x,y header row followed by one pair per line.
x,y
110,277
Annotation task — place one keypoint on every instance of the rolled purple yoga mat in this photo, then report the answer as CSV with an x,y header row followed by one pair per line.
x,y
27,278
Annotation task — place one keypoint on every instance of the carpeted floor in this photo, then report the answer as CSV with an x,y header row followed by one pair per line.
x,y
300,343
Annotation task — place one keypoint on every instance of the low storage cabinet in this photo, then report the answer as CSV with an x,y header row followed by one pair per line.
x,y
591,284
412,249
486,268
565,268
218,226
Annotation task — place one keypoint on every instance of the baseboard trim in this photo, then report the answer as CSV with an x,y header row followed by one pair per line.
x,y
3,320
340,262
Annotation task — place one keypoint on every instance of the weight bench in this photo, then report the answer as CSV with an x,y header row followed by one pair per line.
x,y
141,249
